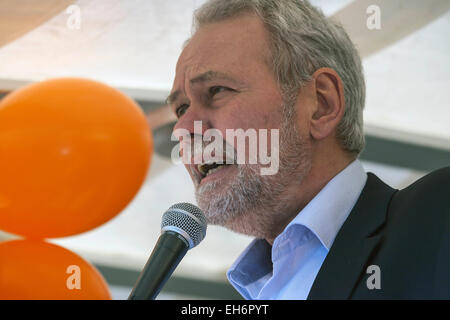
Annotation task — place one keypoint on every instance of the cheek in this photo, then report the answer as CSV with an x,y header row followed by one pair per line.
x,y
247,119
254,116
302,122
255,112
305,106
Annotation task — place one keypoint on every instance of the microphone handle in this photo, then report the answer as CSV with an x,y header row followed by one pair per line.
x,y
165,257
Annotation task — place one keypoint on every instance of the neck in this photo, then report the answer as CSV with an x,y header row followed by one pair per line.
x,y
298,195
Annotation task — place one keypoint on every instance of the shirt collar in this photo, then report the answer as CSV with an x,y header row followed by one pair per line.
x,y
327,211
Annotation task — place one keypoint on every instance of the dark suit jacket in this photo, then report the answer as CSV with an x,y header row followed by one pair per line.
x,y
405,233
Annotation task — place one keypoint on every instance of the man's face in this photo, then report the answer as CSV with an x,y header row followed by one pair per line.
x,y
224,81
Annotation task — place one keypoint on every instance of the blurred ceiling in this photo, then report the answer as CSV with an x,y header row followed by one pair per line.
x,y
22,16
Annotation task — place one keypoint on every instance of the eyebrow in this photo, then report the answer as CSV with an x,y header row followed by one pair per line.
x,y
206,76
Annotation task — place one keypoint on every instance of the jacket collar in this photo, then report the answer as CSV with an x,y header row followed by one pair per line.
x,y
357,238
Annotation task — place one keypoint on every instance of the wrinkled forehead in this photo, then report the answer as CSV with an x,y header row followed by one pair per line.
x,y
233,45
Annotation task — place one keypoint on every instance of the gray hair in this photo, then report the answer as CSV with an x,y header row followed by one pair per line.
x,y
302,40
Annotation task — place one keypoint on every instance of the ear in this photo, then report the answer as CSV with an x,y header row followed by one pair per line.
x,y
330,104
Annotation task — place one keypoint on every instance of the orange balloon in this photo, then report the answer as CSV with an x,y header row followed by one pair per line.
x,y
73,154
37,270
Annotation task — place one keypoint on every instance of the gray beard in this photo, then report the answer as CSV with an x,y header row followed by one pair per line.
x,y
252,203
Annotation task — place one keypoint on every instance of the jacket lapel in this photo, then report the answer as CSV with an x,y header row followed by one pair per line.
x,y
354,243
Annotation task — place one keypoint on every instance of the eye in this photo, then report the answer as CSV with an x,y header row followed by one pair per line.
x,y
181,109
217,89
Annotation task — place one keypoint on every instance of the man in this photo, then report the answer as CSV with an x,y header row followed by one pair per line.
x,y
324,228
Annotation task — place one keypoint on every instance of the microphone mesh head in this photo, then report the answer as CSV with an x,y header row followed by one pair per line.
x,y
188,218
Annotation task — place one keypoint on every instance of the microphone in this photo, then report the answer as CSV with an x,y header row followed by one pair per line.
x,y
183,226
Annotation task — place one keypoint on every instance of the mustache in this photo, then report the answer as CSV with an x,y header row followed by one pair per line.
x,y
196,150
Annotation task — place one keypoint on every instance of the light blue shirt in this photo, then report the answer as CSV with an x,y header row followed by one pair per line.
x,y
287,269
